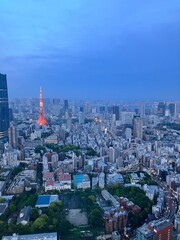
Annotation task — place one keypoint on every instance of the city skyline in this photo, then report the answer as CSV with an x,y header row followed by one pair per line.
x,y
91,50
89,120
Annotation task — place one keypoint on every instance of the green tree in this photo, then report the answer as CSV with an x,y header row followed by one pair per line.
x,y
65,226
12,227
2,226
92,198
34,214
95,218
91,152
39,223
40,149
2,200
12,208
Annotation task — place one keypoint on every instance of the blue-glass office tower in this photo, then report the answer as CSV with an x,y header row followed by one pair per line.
x,y
4,109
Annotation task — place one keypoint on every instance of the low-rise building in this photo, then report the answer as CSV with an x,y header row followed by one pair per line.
x,y
2,187
65,181
151,191
108,197
46,200
52,139
3,207
143,233
48,176
114,178
116,235
24,215
129,205
134,178
81,181
115,220
40,236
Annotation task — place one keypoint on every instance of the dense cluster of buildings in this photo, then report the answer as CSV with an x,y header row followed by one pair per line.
x,y
162,229
109,140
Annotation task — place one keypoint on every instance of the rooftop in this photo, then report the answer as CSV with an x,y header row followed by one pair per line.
x,y
2,183
24,215
145,231
64,177
3,207
160,224
42,236
43,200
47,175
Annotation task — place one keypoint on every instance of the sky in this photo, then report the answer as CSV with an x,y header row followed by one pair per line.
x,y
91,49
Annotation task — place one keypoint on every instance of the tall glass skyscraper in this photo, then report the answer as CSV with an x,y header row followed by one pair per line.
x,y
4,109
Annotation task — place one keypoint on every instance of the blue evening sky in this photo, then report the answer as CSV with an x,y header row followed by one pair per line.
x,y
106,49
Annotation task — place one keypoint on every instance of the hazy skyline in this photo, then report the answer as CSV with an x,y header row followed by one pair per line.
x,y
91,49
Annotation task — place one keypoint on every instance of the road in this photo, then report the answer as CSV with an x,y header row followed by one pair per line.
x,y
171,206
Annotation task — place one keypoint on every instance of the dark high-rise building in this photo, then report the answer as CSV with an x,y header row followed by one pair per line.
x,y
161,109
81,109
115,110
10,114
4,109
66,105
56,101
172,108
13,136
102,109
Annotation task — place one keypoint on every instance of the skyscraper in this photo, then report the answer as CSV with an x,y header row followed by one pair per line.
x,y
172,108
13,136
56,106
112,154
137,127
127,117
66,105
86,107
161,109
177,108
81,118
4,109
115,110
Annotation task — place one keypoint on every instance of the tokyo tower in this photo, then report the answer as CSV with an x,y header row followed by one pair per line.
x,y
41,120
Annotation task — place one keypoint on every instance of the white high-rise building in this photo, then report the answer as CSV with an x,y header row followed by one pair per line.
x,y
69,123
45,163
128,134
101,180
10,158
138,127
86,107
127,117
177,108
112,154
81,118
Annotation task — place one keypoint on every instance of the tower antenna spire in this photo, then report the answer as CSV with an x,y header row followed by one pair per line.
x,y
41,119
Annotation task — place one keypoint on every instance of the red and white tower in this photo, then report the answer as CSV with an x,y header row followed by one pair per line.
x,y
41,120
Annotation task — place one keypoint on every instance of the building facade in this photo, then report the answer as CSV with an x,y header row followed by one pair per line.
x,y
138,127
4,109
